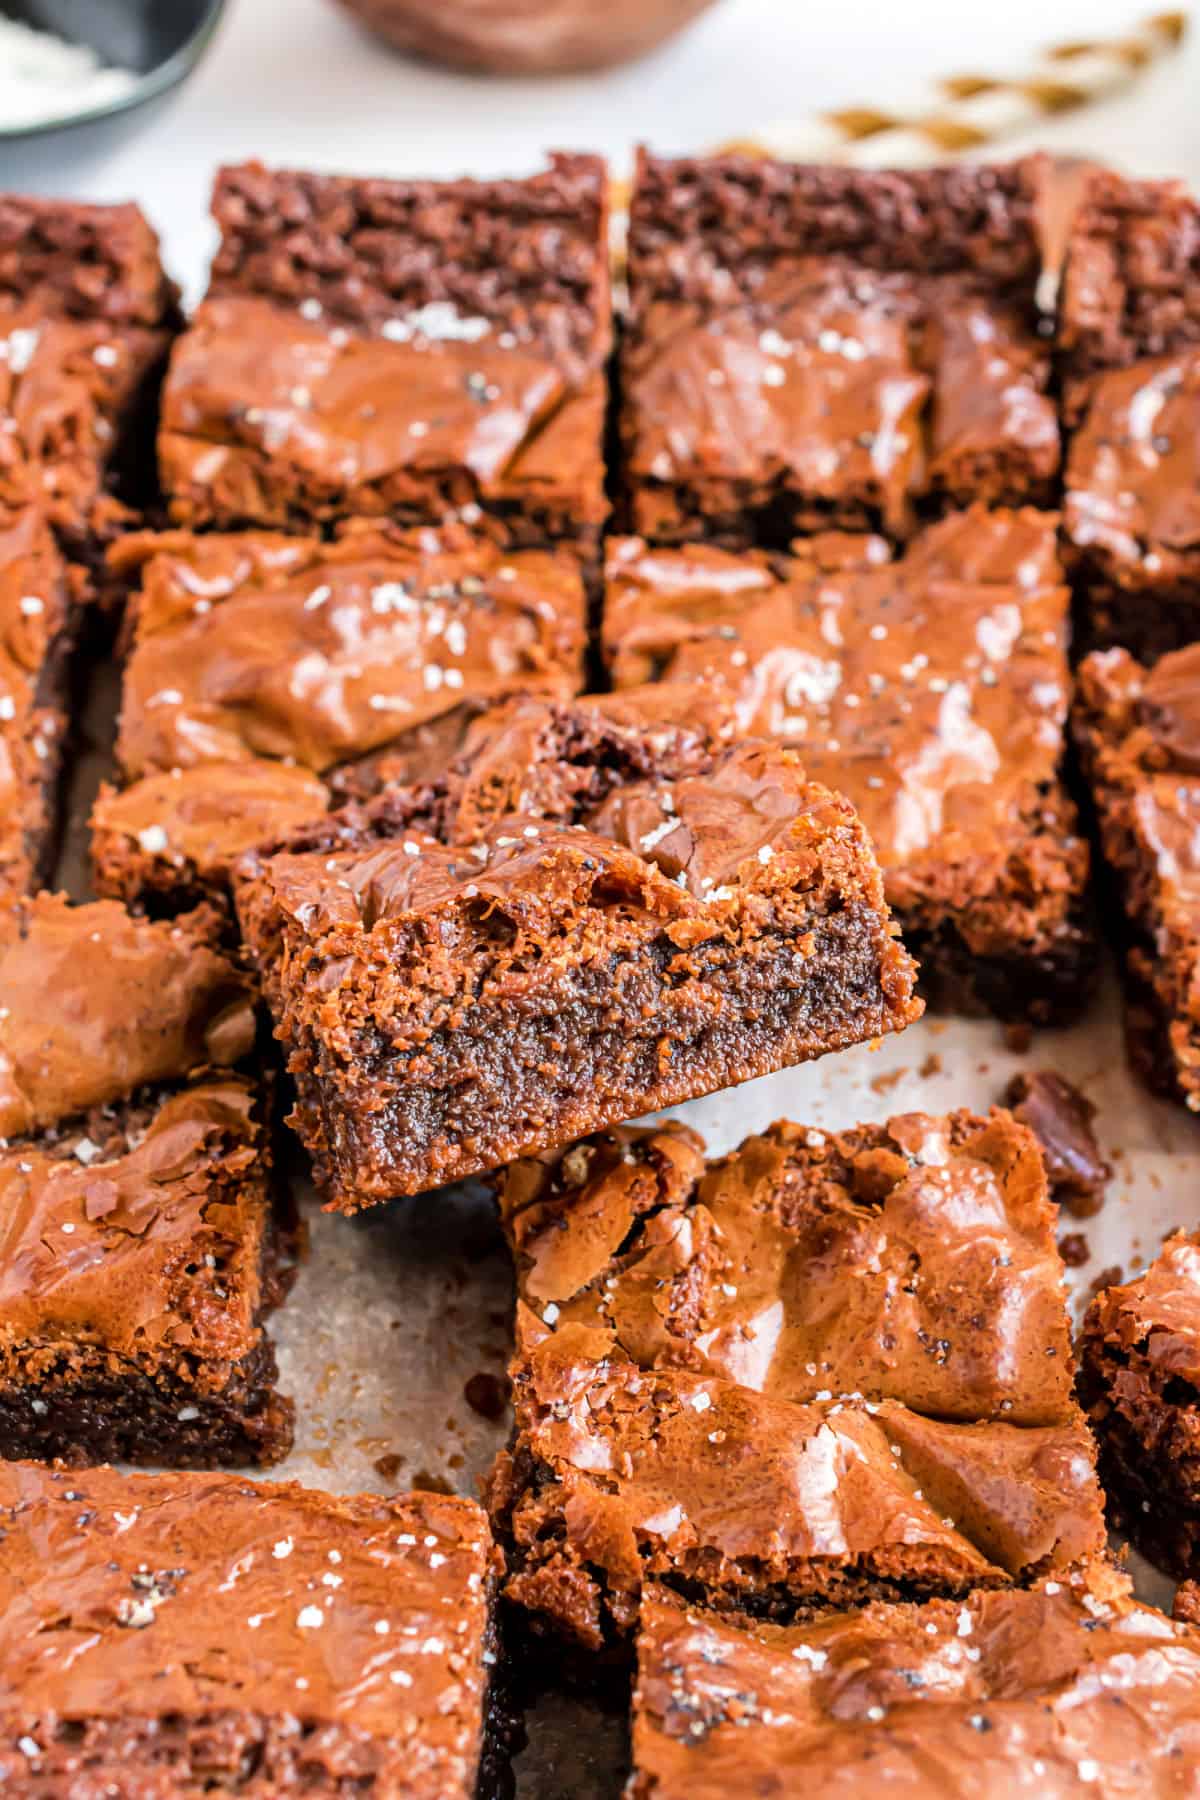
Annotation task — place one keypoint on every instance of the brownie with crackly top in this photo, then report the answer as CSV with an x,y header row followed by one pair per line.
x,y
932,689
1140,1382
1129,345
1138,731
590,920
87,317
363,1626
824,1369
1072,1687
268,676
811,347
141,1243
412,350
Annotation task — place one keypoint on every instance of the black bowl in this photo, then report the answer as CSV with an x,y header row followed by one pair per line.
x,y
160,40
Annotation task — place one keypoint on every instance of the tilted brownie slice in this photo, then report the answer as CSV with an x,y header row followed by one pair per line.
x,y
1129,343
933,691
1140,1382
86,320
499,981
1139,736
814,346
141,1245
1071,1687
827,1368
416,350
170,1635
39,605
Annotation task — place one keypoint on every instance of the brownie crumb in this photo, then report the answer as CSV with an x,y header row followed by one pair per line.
x,y
883,1084
931,1066
1110,1277
1074,1249
425,1482
1018,1037
1060,1117
487,1395
388,1466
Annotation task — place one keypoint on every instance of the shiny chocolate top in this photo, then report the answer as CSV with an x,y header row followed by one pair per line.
x,y
94,1003
145,1241
914,1261
258,645
1072,1688
932,690
186,828
1157,1314
702,851
1133,472
1139,730
36,599
189,1596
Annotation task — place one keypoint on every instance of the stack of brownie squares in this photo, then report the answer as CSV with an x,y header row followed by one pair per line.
x,y
538,731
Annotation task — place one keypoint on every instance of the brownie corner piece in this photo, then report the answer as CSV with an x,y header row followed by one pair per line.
x,y
1129,345
1138,733
1140,1383
666,937
141,1253
815,346
987,1695
87,316
417,350
827,1368
364,1632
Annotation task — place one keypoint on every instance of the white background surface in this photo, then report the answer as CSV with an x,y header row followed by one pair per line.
x,y
296,82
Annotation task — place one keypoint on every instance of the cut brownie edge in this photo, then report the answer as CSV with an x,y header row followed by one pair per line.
x,y
1140,1384
802,1004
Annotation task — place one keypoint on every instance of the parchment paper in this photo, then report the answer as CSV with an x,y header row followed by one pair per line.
x,y
394,1312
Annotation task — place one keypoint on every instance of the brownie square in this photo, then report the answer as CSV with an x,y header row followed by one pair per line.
x,y
825,1369
932,690
267,671
171,1635
39,607
1140,1382
818,346
86,319
417,350
589,923
1068,1688
140,1244
1138,731
1129,341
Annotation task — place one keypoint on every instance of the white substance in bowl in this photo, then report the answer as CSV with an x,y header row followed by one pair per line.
x,y
44,79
